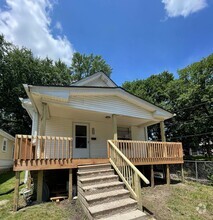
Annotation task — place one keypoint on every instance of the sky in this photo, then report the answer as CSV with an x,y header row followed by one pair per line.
x,y
136,38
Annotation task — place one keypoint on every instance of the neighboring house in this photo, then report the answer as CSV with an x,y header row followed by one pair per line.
x,y
93,121
6,151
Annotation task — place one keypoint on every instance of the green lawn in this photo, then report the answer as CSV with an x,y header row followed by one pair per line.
x,y
47,211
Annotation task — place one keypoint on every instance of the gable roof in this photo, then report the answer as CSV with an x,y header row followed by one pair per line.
x,y
99,79
63,94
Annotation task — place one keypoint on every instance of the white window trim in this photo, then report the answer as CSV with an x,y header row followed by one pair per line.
x,y
4,140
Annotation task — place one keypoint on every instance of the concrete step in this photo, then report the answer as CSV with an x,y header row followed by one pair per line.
x,y
102,172
112,208
97,180
131,215
94,167
104,197
103,187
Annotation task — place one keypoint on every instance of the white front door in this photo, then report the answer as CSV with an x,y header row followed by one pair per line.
x,y
81,140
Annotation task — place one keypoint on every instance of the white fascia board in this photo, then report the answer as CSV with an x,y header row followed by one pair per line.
x,y
28,91
27,104
58,92
6,135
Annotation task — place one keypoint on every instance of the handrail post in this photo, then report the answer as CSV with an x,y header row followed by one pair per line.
x,y
138,191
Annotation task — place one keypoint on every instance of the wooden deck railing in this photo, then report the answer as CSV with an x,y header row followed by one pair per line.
x,y
28,147
130,175
147,152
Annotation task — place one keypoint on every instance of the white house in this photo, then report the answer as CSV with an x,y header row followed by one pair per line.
x,y
92,121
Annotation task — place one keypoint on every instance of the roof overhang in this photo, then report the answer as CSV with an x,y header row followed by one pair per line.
x,y
63,95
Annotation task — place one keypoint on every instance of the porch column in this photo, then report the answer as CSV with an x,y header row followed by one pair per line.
x,y
16,191
162,131
146,133
115,130
41,172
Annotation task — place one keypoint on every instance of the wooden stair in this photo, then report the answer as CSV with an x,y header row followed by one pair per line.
x,y
103,196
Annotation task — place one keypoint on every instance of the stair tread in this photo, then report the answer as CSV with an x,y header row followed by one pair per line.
x,y
97,178
95,165
134,214
106,194
111,205
94,171
117,183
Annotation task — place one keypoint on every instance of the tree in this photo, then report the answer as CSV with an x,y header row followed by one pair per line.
x,y
19,66
190,97
154,90
86,65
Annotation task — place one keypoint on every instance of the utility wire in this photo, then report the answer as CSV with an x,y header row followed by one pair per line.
x,y
202,103
193,135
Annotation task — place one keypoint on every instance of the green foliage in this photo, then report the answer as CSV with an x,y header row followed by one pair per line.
x,y
83,66
190,97
19,66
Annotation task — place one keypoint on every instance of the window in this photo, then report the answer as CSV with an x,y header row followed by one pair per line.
x,y
81,136
124,133
4,145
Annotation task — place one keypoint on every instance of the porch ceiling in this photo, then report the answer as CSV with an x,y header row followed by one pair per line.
x,y
85,115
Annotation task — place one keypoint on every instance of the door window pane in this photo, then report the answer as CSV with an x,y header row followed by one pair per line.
x,y
81,136
81,142
80,130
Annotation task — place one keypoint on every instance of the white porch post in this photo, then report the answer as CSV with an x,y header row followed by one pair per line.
x,y
115,130
162,131
34,132
41,172
146,133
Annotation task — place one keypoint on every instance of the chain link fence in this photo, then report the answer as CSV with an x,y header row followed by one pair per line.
x,y
200,171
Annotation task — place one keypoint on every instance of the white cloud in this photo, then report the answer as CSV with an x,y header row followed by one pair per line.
x,y
58,26
183,8
27,23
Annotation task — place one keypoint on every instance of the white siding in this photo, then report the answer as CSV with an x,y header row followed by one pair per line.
x,y
103,132
138,133
96,82
63,127
59,127
109,104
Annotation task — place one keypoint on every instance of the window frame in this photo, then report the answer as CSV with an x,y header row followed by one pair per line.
x,y
5,140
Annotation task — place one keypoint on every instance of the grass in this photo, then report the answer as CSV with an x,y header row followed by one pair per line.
x,y
7,181
193,201
188,201
47,211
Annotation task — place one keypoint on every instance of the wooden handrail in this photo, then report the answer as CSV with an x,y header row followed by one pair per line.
x,y
28,147
127,171
150,151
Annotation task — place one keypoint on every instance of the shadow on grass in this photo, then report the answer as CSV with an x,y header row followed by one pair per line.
x,y
6,176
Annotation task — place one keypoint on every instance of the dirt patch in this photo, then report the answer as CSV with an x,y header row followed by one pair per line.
x,y
155,200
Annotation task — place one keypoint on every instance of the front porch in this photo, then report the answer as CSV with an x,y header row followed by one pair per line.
x,y
50,152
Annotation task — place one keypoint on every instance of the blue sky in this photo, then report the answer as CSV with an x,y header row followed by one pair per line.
x,y
137,38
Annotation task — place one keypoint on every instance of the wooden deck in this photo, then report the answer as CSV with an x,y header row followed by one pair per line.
x,y
48,152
